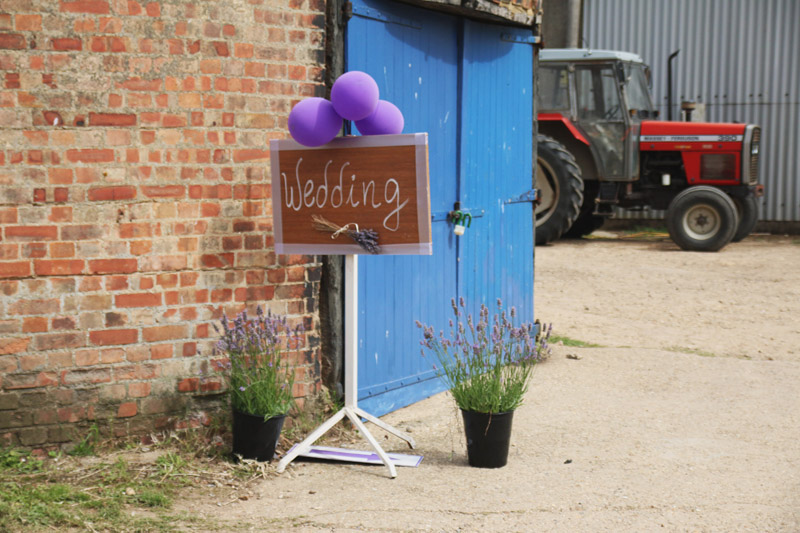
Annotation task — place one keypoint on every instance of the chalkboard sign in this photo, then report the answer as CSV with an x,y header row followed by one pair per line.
x,y
376,182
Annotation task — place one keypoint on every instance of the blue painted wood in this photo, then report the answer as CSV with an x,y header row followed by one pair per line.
x,y
415,64
496,252
467,87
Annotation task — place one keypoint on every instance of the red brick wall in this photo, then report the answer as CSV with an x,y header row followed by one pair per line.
x,y
135,202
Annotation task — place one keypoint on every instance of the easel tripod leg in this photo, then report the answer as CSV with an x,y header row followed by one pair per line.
x,y
363,429
311,439
386,427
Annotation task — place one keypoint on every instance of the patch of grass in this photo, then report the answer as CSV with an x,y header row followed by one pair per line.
x,y
566,341
86,447
122,491
693,351
645,233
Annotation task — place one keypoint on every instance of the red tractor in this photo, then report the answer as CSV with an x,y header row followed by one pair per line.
x,y
600,147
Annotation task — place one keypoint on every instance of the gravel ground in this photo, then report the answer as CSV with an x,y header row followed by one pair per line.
x,y
685,417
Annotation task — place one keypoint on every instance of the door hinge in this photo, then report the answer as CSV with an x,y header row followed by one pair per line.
x,y
374,14
524,39
529,196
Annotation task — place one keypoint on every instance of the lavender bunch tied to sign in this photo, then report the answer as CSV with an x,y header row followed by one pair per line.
x,y
260,378
487,364
366,238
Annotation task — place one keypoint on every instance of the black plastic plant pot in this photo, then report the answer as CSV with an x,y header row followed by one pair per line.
x,y
254,437
488,437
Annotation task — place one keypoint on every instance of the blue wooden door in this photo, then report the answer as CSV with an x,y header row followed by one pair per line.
x,y
469,86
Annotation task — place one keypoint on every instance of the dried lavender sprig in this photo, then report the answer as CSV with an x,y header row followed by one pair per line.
x,y
367,239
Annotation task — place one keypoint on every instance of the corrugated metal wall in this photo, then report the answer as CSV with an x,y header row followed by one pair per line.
x,y
738,57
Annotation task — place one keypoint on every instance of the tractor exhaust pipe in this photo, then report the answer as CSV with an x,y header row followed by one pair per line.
x,y
669,83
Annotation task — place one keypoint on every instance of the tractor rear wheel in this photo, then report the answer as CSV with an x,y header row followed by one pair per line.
x,y
747,209
702,219
560,185
587,221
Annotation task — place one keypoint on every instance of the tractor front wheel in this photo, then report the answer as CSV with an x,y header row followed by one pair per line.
x,y
702,219
558,179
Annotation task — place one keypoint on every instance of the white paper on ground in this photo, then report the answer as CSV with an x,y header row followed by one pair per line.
x,y
359,456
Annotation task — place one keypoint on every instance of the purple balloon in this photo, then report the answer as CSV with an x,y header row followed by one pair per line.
x,y
386,120
354,95
314,122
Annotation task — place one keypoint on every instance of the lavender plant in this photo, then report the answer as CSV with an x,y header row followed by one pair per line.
x,y
487,365
260,380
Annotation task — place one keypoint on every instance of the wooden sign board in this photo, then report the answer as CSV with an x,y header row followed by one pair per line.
x,y
379,182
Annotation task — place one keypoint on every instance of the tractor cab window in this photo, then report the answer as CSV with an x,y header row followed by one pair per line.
x,y
636,91
553,88
601,117
598,93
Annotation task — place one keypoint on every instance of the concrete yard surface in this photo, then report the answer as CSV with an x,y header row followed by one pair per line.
x,y
685,417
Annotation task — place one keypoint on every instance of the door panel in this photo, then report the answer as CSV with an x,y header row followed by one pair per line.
x,y
413,56
496,255
471,90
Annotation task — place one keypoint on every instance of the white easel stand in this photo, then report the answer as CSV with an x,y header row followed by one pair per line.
x,y
351,409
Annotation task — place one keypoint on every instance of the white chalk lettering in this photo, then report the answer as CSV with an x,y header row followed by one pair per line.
x,y
312,195
350,196
339,189
395,198
286,189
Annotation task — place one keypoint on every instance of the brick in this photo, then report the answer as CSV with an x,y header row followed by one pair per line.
x,y
127,409
35,307
64,322
34,361
130,372
34,250
60,341
8,252
30,380
139,390
28,22
95,302
58,267
188,385
164,191
112,355
62,249
12,345
66,44
112,119
87,357
139,84
113,266
32,233
16,269
217,260
71,414
86,376
120,192
113,336
189,349
95,7
116,283
161,351
243,156
90,155
12,41
35,324
142,299
9,401
164,333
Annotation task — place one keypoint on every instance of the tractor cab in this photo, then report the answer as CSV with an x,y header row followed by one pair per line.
x,y
606,94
